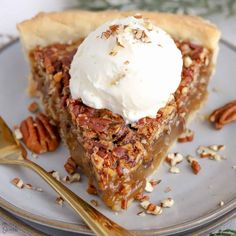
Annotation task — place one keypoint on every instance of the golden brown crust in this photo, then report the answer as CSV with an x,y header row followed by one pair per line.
x,y
64,27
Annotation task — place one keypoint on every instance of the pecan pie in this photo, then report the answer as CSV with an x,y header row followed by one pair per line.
x,y
117,157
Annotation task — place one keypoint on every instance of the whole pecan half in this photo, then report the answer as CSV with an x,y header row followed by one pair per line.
x,y
224,115
39,135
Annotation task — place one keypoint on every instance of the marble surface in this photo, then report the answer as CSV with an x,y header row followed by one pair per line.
x,y
14,11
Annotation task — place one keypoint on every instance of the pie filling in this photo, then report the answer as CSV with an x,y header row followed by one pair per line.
x,y
117,158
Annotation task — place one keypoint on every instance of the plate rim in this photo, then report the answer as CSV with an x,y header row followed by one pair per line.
x,y
82,228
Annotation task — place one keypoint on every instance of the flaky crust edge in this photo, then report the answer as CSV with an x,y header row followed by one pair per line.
x,y
65,27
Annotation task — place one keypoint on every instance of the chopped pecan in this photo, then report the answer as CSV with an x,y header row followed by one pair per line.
x,y
94,202
186,136
92,189
140,197
18,182
33,107
195,167
148,188
210,152
224,115
59,201
70,166
58,76
174,170
39,135
124,204
168,202
71,179
18,134
174,158
155,182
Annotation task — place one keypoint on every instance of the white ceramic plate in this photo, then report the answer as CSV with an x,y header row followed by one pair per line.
x,y
196,197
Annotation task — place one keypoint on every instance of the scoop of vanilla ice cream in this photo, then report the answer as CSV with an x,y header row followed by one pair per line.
x,y
128,66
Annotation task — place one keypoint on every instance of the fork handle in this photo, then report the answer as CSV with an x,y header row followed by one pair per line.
x,y
97,222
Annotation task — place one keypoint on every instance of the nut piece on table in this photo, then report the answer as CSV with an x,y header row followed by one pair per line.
x,y
151,208
186,136
224,115
211,152
174,158
94,202
72,178
18,182
39,135
33,107
60,201
194,164
70,166
167,203
92,189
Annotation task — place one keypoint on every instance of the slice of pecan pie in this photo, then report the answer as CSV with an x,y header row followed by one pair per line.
x,y
117,156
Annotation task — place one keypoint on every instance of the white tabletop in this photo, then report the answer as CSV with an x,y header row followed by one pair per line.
x,y
15,11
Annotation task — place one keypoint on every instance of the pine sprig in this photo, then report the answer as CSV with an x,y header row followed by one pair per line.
x,y
196,7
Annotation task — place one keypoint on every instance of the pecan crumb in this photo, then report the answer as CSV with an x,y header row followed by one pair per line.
x,y
124,204
168,189
75,178
141,198
174,170
174,158
190,159
17,133
92,189
39,189
60,201
151,208
34,155
70,166
167,203
210,152
58,76
223,115
94,202
195,167
141,213
186,136
33,107
154,182
17,182
55,174
221,203
148,187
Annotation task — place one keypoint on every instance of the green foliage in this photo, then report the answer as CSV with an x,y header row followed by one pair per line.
x,y
197,7
227,232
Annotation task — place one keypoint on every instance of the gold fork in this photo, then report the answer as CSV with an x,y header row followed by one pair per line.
x,y
11,153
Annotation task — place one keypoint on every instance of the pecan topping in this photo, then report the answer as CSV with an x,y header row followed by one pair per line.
x,y
224,115
39,135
